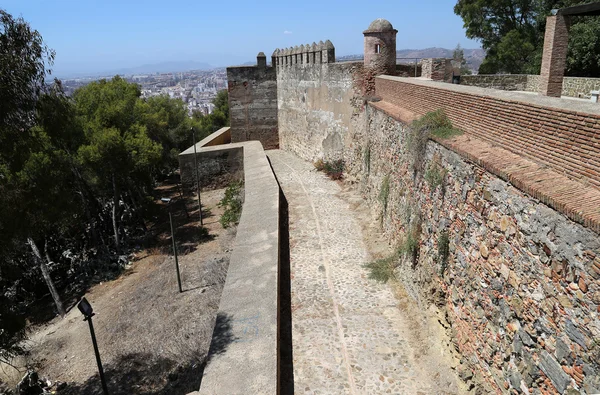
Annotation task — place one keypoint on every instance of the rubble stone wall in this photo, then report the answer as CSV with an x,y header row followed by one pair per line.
x,y
571,86
521,287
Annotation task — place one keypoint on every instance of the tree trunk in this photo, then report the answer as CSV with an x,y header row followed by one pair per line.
x,y
46,275
137,212
114,213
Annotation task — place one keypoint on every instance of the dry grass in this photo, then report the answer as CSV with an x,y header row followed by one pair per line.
x,y
152,339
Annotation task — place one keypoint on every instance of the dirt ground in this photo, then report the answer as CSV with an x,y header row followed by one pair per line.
x,y
152,339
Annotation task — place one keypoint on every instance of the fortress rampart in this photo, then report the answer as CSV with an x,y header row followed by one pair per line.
x,y
253,103
518,200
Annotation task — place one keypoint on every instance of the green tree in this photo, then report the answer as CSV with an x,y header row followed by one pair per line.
x,y
512,33
167,124
207,124
118,154
30,200
459,62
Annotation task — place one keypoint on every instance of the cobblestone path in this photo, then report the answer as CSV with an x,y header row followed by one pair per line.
x,y
349,336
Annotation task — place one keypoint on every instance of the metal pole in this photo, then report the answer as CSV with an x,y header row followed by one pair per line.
x,y
416,66
197,177
175,251
100,370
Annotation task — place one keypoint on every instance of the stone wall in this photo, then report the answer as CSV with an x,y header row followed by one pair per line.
x,y
314,101
216,168
253,104
521,287
580,86
571,87
561,134
506,82
437,69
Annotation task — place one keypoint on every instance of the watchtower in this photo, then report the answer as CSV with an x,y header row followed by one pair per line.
x,y
380,45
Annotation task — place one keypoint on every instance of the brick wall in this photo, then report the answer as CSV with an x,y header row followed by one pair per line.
x,y
554,57
566,140
253,104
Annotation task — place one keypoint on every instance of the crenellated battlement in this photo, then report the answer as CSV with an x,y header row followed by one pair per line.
x,y
323,52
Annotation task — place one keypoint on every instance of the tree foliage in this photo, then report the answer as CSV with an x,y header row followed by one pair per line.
x,y
459,62
76,174
512,33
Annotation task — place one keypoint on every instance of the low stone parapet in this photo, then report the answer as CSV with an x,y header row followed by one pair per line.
x,y
243,356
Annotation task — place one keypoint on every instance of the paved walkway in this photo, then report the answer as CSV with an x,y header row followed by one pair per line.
x,y
349,336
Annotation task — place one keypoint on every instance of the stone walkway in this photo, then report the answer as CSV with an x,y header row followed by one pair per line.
x,y
349,336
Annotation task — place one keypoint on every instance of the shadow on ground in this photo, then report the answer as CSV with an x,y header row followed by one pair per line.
x,y
146,374
285,357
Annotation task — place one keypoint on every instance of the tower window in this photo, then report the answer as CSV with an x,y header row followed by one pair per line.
x,y
378,48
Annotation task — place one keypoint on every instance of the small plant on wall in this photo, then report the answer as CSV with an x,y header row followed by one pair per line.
x,y
436,175
367,158
384,194
443,251
434,123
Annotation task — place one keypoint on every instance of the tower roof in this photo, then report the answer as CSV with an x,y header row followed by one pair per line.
x,y
379,25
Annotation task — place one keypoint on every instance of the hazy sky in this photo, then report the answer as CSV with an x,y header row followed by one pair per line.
x,y
99,35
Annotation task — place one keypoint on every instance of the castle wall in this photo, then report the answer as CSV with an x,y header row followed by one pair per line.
x,y
521,288
571,87
314,103
253,104
561,134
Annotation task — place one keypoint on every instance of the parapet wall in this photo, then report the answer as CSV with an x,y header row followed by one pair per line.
x,y
572,86
561,134
314,101
253,104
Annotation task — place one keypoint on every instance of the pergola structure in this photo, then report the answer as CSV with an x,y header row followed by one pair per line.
x,y
556,41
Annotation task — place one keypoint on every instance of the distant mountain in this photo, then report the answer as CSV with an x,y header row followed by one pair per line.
x,y
164,67
474,57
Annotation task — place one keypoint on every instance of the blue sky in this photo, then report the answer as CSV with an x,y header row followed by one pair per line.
x,y
100,35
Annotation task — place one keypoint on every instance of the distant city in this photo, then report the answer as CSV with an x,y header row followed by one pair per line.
x,y
196,88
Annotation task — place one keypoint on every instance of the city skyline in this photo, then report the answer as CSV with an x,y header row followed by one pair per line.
x,y
111,35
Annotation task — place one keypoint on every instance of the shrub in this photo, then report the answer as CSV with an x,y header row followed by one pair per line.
x,y
434,123
333,169
446,133
232,203
382,270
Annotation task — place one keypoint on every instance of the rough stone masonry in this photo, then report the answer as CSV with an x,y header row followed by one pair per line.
x,y
521,285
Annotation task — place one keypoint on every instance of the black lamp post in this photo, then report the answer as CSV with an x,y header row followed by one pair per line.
x,y
197,176
88,312
168,201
